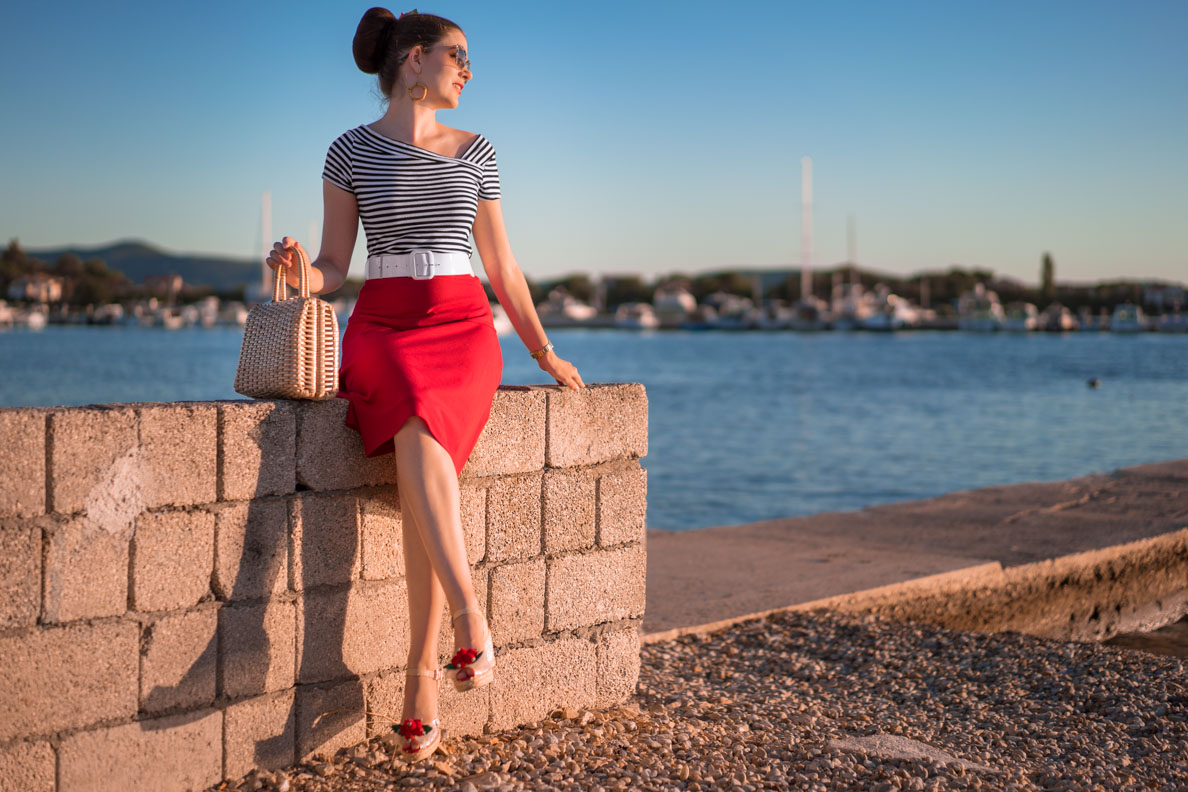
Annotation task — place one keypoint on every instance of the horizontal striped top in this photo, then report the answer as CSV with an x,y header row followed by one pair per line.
x,y
411,198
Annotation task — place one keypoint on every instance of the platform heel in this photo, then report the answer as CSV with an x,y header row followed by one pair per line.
x,y
419,740
470,669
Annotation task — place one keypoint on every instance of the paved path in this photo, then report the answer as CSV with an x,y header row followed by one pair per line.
x,y
696,577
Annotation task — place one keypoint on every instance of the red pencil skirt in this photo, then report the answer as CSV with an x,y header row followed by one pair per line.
x,y
420,347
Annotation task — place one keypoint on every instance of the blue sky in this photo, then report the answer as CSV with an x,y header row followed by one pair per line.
x,y
649,137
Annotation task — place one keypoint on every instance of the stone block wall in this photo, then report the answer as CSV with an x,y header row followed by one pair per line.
x,y
192,590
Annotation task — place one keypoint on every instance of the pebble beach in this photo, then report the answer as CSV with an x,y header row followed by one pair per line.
x,y
819,701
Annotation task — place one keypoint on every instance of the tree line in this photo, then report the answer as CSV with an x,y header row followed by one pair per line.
x,y
93,282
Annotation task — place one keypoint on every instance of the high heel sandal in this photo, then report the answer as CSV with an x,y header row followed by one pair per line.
x,y
470,669
411,730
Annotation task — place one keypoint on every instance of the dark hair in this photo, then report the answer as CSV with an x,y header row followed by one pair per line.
x,y
381,39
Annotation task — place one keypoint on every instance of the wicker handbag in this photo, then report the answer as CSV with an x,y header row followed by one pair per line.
x,y
290,345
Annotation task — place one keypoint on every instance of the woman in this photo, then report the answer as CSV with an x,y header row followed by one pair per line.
x,y
420,357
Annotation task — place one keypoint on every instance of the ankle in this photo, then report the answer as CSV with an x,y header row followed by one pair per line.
x,y
420,695
471,608
468,629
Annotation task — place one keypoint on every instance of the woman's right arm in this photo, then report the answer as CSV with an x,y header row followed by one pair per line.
x,y
340,229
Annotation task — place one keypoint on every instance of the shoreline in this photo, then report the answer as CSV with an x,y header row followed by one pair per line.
x,y
1082,559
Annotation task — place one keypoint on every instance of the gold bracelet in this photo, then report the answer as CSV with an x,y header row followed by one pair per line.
x,y
542,351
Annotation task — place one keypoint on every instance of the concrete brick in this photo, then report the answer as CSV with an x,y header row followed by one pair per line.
x,y
86,571
329,718
260,732
473,506
597,587
20,572
258,644
179,442
513,439
324,539
514,518
67,677
351,630
27,767
600,422
618,665
257,449
172,559
330,455
168,754
87,446
569,501
622,506
479,577
251,549
535,680
517,601
22,461
462,714
381,535
384,694
178,657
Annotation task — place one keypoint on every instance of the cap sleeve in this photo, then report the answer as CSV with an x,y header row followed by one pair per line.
x,y
337,170
489,187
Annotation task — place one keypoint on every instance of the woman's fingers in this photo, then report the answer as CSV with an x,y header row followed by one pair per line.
x,y
570,378
280,253
289,242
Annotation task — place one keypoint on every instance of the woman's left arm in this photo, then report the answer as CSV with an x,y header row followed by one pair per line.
x,y
511,288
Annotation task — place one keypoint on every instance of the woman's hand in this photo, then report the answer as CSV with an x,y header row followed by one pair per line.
x,y
282,257
561,370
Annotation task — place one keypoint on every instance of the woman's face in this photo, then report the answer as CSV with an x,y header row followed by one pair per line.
x,y
440,71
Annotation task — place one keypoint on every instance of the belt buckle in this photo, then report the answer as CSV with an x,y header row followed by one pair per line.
x,y
425,258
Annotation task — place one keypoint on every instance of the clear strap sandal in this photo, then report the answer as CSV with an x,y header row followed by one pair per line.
x,y
472,668
418,740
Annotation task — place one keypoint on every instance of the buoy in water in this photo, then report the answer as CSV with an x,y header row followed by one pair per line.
x,y
1094,383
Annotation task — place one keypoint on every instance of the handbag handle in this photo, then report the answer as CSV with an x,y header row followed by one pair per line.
x,y
280,289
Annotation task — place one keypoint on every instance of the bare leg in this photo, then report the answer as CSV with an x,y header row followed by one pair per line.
x,y
425,601
428,487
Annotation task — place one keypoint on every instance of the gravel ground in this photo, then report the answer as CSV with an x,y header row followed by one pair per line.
x,y
827,702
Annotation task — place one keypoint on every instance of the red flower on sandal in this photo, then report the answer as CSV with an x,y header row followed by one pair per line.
x,y
463,657
412,727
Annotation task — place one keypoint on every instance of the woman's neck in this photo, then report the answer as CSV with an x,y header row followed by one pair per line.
x,y
407,121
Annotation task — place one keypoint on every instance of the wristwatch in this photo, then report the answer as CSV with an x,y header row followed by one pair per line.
x,y
542,351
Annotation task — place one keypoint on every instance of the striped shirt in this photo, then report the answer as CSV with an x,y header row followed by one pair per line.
x,y
411,198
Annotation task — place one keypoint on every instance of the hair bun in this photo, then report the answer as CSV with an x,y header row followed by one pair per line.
x,y
372,38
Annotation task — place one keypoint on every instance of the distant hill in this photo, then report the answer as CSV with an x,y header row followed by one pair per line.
x,y
136,259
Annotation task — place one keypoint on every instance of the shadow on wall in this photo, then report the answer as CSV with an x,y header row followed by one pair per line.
x,y
282,623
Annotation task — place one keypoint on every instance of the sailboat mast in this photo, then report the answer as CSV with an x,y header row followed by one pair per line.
x,y
852,248
265,242
806,227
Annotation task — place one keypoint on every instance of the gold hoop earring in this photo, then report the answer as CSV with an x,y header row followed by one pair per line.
x,y
424,91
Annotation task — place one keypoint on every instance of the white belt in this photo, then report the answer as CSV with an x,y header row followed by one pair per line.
x,y
417,264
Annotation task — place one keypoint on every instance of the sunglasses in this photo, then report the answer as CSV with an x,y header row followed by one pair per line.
x,y
459,55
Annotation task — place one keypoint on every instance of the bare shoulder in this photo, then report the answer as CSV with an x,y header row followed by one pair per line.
x,y
460,139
